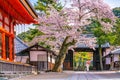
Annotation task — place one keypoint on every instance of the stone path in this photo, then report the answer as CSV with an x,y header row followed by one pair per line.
x,y
71,75
95,76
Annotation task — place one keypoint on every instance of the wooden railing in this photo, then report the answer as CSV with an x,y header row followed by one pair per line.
x,y
10,68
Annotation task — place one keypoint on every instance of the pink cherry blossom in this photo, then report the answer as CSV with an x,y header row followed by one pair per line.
x,y
68,22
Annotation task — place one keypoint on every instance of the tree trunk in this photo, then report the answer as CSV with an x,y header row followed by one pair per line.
x,y
59,60
112,63
100,54
62,54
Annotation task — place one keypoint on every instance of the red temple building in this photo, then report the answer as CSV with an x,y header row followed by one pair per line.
x,y
13,12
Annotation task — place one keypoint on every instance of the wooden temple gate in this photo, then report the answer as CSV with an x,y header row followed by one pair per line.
x,y
68,63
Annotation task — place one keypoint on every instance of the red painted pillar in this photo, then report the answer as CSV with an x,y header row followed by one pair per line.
x,y
13,54
10,49
3,46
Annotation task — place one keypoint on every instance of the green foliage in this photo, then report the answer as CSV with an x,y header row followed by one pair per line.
x,y
116,11
29,35
82,55
80,59
117,32
32,33
43,5
102,37
106,20
44,45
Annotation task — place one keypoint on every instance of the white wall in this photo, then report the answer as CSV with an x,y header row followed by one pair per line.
x,y
108,61
116,58
53,59
36,55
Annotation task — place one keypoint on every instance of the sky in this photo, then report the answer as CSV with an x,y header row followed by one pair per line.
x,y
111,3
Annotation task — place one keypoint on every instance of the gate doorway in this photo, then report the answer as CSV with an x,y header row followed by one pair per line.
x,y
82,60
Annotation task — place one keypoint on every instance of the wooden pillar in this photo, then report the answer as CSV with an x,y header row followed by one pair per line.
x,y
51,61
94,59
13,53
10,49
11,41
12,32
47,61
3,46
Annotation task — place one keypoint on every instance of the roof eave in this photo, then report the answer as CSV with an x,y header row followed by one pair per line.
x,y
29,7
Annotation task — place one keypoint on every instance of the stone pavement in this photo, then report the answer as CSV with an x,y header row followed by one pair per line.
x,y
104,75
72,75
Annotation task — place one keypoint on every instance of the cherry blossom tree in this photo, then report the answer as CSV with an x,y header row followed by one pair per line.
x,y
62,29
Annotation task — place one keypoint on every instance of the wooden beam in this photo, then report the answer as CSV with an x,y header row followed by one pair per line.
x,y
2,30
47,60
50,61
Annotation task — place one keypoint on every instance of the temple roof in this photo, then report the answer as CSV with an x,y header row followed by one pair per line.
x,y
36,47
20,10
82,45
113,52
19,45
116,51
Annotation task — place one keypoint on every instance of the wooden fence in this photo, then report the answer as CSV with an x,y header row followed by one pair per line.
x,y
15,68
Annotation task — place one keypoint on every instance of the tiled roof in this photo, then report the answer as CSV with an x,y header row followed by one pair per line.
x,y
19,45
113,52
36,47
116,51
82,45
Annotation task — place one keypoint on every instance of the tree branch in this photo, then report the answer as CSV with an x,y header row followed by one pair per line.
x,y
80,17
71,43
